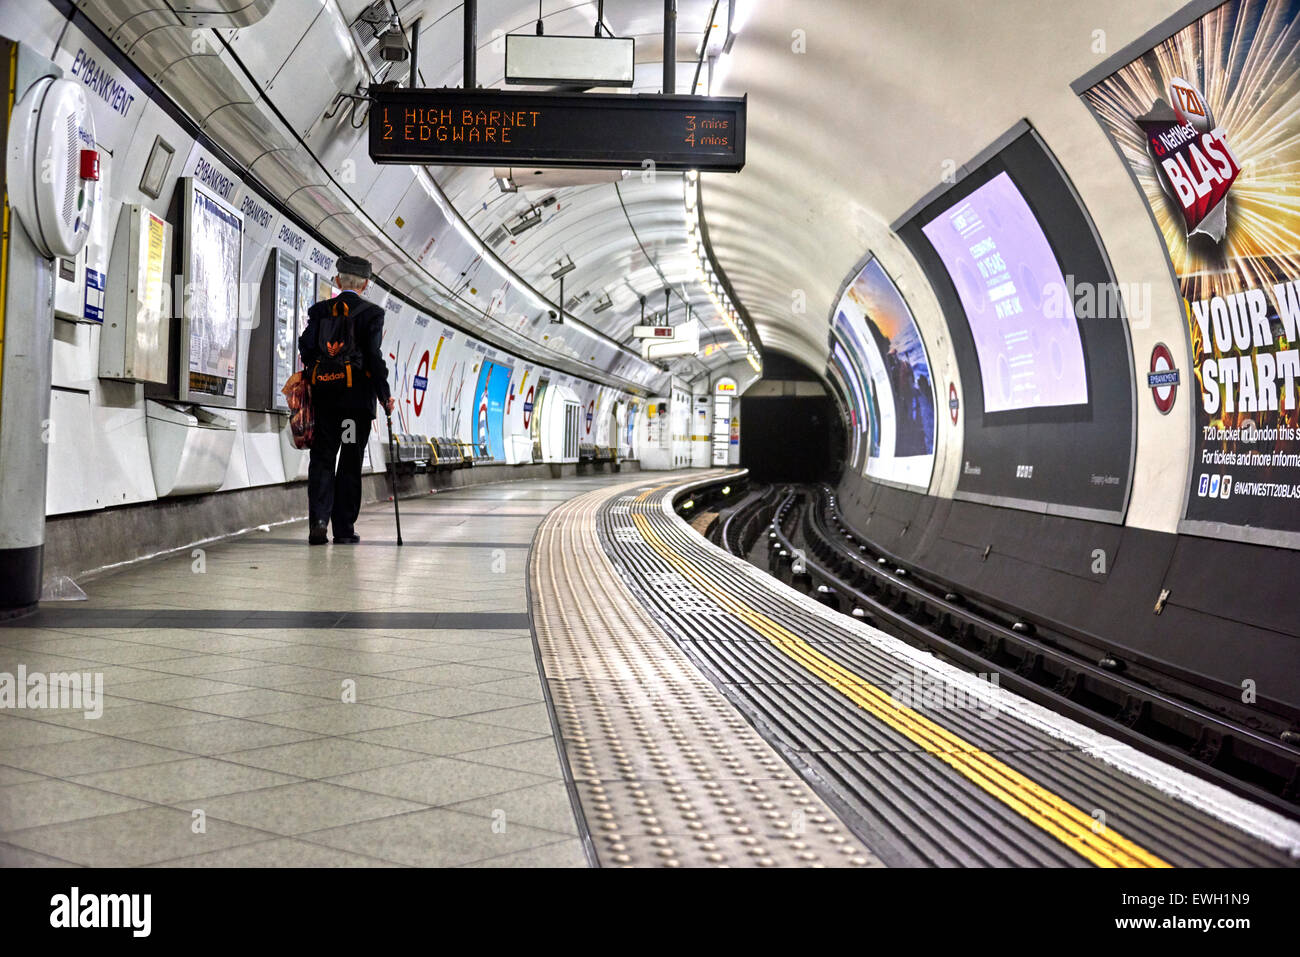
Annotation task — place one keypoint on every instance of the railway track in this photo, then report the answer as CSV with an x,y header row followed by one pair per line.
x,y
808,546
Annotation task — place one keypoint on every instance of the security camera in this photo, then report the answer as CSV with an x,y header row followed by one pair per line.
x,y
554,316
392,46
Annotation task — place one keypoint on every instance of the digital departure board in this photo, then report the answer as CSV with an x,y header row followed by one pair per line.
x,y
455,127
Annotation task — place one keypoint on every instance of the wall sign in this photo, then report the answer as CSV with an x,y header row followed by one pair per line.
x,y
1162,378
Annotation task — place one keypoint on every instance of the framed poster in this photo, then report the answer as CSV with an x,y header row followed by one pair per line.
x,y
285,338
211,263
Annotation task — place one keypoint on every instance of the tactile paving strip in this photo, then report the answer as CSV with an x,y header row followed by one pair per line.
x,y
667,771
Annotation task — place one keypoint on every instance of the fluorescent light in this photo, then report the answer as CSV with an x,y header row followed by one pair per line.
x,y
563,268
718,71
740,13
525,222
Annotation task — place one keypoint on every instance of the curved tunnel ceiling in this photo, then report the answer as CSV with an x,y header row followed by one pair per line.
x,y
627,238
856,110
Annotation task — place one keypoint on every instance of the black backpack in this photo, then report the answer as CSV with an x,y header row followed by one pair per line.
x,y
338,374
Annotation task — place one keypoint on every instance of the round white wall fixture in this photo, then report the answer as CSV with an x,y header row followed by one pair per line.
x,y
50,127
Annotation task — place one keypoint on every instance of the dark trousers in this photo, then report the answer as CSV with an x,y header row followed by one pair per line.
x,y
335,494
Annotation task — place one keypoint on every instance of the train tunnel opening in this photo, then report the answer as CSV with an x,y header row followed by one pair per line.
x,y
793,430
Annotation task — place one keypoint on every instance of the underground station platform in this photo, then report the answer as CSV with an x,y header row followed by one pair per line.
x,y
538,438
599,685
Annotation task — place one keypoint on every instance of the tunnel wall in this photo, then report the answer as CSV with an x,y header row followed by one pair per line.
x,y
1083,512
1230,615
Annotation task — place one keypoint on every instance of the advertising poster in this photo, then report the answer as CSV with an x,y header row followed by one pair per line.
x,y
519,414
886,355
588,404
654,415
153,316
489,408
451,384
214,247
859,421
1208,125
306,299
533,416
285,343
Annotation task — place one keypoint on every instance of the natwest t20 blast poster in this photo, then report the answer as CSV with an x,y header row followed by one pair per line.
x,y
1209,123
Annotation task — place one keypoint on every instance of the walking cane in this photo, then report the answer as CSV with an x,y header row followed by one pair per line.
x,y
392,471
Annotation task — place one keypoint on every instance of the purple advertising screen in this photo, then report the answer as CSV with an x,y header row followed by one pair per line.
x,y
1020,312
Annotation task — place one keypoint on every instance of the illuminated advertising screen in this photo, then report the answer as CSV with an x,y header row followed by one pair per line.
x,y
214,234
886,365
1207,125
1039,330
1011,286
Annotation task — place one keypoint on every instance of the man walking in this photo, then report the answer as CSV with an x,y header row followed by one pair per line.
x,y
343,361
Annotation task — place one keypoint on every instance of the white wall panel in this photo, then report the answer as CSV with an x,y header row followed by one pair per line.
x,y
264,46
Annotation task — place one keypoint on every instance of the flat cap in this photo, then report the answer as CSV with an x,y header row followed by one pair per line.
x,y
354,266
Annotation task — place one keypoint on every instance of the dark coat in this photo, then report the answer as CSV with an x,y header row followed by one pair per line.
x,y
368,333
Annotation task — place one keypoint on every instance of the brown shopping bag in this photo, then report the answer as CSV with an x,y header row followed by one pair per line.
x,y
302,421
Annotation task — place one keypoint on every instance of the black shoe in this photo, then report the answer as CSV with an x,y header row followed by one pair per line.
x,y
318,534
351,538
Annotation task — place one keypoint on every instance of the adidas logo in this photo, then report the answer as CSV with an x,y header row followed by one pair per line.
x,y
333,348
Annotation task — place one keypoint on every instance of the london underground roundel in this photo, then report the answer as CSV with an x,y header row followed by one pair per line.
x,y
1162,378
591,414
953,404
420,384
528,407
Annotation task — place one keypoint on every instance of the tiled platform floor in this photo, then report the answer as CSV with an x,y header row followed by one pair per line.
x,y
225,738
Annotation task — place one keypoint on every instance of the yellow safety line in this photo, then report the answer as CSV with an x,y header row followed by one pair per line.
x,y
1065,822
